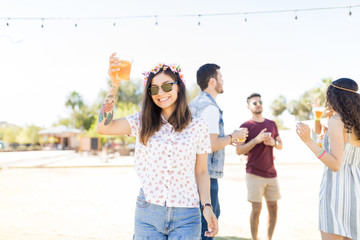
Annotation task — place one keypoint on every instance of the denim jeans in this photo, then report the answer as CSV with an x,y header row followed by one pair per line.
x,y
214,190
155,222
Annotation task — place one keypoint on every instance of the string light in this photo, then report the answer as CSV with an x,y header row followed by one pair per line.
x,y
245,19
296,17
186,15
42,23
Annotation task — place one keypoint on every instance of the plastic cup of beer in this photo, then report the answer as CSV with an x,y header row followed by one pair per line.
x,y
320,142
267,134
123,71
318,111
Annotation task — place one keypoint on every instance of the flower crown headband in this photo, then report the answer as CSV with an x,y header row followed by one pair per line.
x,y
173,67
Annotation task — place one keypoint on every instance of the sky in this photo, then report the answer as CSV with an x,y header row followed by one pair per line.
x,y
272,54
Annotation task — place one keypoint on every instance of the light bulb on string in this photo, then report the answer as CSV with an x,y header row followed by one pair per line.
x,y
199,21
296,17
42,23
7,23
156,20
114,24
245,19
350,12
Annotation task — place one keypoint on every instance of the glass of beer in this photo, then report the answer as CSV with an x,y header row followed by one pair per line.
x,y
267,134
122,72
320,142
318,111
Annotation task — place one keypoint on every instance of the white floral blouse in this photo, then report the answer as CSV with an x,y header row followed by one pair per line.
x,y
166,165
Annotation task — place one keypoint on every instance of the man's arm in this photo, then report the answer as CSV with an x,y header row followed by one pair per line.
x,y
278,143
211,115
244,148
218,143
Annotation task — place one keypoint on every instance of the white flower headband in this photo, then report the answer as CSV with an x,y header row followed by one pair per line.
x,y
173,67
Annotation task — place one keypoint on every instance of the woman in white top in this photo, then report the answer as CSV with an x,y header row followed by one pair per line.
x,y
170,156
339,207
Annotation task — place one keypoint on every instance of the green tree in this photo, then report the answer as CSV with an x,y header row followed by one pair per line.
x,y
75,101
193,92
10,133
278,106
130,91
29,135
301,109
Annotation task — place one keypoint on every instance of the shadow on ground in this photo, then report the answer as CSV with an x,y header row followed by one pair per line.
x,y
231,238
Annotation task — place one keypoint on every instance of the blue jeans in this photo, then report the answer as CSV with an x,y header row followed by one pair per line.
x,y
155,222
214,190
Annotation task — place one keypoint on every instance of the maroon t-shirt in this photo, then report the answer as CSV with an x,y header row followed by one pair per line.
x,y
260,158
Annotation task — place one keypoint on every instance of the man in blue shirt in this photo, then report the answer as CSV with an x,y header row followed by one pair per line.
x,y
209,79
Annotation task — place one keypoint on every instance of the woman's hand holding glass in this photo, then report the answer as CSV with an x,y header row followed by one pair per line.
x,y
119,68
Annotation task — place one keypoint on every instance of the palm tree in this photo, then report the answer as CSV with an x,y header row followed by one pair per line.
x,y
74,100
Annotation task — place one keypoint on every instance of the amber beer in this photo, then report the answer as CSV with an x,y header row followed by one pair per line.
x,y
124,73
123,68
318,114
318,111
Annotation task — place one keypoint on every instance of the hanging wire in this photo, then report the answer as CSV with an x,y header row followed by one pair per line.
x,y
183,15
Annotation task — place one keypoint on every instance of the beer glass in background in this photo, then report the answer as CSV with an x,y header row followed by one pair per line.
x,y
320,141
122,69
318,112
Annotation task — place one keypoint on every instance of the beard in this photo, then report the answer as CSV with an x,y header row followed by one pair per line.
x,y
219,88
257,111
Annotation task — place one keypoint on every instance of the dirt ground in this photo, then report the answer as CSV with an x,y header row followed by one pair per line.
x,y
99,203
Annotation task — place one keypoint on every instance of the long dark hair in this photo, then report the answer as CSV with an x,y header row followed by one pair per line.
x,y
151,114
341,96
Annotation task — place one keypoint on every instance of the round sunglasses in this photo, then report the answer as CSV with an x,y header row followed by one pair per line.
x,y
166,87
256,103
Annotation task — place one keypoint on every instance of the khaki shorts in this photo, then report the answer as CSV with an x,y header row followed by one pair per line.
x,y
259,187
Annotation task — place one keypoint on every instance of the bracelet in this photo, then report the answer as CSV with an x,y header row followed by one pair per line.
x,y
231,138
206,205
320,154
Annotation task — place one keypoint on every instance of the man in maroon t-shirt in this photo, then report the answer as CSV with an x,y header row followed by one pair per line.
x,y
261,177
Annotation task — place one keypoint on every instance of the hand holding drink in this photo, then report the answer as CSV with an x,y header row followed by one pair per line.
x,y
119,68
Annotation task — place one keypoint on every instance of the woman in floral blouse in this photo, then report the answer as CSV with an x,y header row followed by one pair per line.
x,y
170,156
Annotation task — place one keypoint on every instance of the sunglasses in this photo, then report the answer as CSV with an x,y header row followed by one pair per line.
x,y
166,87
256,103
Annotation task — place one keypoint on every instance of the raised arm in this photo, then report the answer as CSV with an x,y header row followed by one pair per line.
x,y
336,135
106,124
